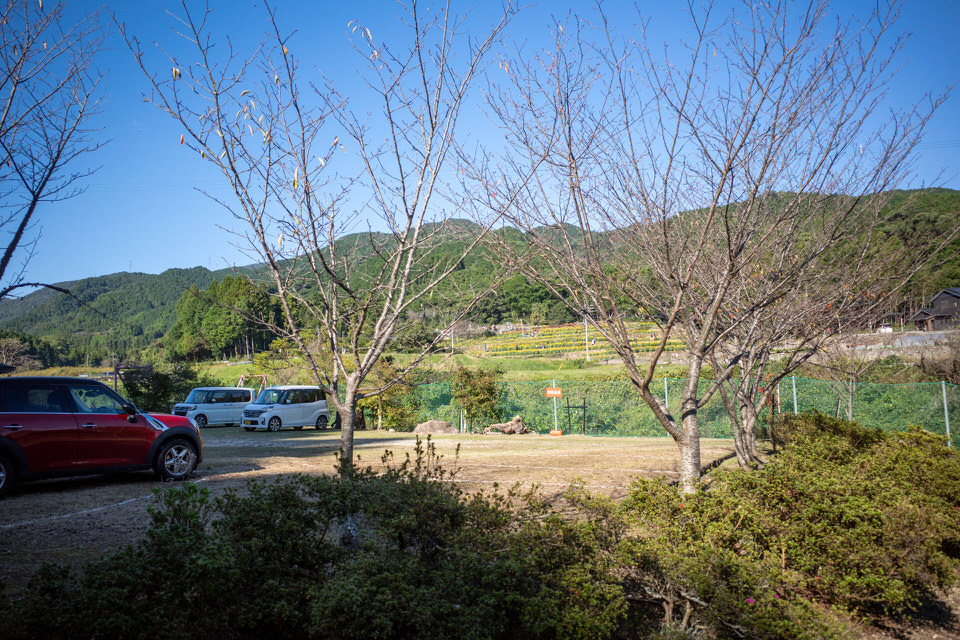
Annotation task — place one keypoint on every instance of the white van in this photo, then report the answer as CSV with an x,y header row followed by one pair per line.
x,y
296,406
215,405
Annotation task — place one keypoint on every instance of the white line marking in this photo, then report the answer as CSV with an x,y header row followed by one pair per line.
x,y
70,515
64,516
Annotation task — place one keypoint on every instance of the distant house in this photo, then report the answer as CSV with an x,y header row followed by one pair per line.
x,y
943,312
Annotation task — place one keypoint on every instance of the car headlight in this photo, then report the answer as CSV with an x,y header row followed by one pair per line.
x,y
190,407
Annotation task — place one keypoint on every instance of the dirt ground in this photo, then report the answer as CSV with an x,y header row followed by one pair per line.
x,y
71,521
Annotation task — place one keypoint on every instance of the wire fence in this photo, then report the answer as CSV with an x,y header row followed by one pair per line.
x,y
614,408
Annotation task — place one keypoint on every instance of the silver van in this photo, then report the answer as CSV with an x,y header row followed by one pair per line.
x,y
215,405
296,406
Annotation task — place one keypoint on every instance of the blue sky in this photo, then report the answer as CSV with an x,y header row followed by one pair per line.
x,y
141,211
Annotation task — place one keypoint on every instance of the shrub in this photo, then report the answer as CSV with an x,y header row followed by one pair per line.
x,y
844,519
159,388
817,426
478,392
402,554
844,516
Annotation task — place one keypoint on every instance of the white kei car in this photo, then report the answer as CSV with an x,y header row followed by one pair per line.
x,y
208,406
296,406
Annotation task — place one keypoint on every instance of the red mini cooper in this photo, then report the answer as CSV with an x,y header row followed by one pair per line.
x,y
70,426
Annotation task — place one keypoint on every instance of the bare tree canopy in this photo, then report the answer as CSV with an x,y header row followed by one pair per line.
x,y
321,184
735,180
50,92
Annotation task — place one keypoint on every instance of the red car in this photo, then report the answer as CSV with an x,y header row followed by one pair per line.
x,y
70,426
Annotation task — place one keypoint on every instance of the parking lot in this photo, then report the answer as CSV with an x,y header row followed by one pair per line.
x,y
74,520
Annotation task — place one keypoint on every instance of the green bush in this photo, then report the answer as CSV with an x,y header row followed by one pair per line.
x,y
816,426
843,521
843,517
403,554
159,388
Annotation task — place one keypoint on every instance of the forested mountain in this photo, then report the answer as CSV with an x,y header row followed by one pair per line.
x,y
126,313
112,314
930,211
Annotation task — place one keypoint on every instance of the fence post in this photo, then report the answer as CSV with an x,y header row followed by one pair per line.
x,y
793,379
946,413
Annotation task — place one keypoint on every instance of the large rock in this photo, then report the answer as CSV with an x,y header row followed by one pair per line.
x,y
436,427
514,426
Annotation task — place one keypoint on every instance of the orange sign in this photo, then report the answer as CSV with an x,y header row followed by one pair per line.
x,y
554,392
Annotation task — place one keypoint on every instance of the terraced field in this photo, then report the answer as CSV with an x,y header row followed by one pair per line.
x,y
570,340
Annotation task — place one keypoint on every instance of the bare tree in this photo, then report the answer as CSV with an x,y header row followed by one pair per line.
x,y
839,291
277,141
49,91
701,189
16,353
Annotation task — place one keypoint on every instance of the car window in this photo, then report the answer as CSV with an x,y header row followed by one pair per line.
x,y
291,397
220,396
238,396
41,398
311,395
95,400
269,396
198,396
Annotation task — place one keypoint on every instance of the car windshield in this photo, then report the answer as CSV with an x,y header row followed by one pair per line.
x,y
198,395
269,396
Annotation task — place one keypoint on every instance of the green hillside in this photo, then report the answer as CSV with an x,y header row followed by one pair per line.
x,y
124,313
931,211
114,313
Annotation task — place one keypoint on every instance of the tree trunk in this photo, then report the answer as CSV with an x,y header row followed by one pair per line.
x,y
740,447
689,449
689,444
685,433
748,426
853,389
347,412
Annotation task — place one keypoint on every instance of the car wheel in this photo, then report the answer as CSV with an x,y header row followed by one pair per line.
x,y
249,428
176,460
322,422
274,424
8,475
201,421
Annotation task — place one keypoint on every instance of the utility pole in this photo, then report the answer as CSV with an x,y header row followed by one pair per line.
x,y
586,340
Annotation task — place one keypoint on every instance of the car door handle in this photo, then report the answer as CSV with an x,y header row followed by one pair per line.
x,y
13,427
89,425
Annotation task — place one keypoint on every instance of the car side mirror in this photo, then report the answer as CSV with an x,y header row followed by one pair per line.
x,y
129,409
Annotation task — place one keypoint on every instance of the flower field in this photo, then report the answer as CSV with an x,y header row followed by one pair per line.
x,y
563,340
